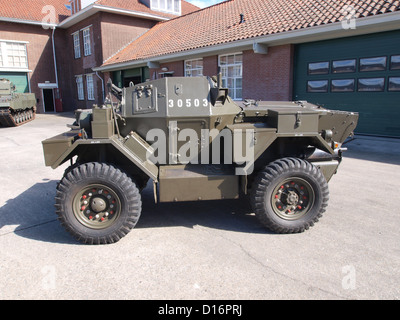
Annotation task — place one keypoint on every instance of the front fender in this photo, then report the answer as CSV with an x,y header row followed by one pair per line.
x,y
61,148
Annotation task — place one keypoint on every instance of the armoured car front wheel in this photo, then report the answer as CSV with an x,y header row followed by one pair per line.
x,y
97,203
289,195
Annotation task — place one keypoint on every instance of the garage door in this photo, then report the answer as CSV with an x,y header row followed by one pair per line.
x,y
20,79
354,74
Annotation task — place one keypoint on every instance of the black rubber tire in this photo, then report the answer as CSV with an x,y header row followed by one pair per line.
x,y
114,179
271,177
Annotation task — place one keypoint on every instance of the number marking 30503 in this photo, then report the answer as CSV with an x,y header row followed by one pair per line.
x,y
188,103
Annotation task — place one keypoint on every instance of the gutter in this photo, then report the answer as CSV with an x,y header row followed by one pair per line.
x,y
31,22
373,24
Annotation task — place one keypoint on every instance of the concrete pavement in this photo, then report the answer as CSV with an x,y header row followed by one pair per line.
x,y
204,250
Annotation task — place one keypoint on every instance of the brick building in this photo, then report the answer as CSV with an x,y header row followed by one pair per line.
x,y
51,47
341,54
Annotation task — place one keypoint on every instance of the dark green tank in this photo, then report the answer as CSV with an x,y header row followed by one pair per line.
x,y
15,108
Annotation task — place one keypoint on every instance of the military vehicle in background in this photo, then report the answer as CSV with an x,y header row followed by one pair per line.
x,y
195,143
15,108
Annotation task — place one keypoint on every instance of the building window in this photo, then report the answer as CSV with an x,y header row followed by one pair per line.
x,y
194,68
373,64
318,68
170,6
79,86
395,62
343,66
317,86
90,86
371,85
77,45
232,72
13,55
345,85
394,84
86,42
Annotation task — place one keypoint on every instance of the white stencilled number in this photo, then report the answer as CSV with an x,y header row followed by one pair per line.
x,y
188,102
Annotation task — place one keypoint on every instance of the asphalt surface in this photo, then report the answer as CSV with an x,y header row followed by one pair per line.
x,y
203,250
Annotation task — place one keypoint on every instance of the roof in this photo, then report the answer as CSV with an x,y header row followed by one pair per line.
x,y
31,10
37,10
136,5
220,24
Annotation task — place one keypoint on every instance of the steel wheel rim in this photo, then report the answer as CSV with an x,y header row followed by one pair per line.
x,y
96,206
293,198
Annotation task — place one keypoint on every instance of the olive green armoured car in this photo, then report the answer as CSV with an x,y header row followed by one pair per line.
x,y
195,143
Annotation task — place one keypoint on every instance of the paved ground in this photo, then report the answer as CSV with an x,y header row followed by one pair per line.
x,y
206,250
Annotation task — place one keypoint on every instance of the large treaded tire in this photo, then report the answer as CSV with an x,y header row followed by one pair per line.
x,y
284,172
104,177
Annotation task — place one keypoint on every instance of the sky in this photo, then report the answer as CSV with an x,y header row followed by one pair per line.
x,y
204,3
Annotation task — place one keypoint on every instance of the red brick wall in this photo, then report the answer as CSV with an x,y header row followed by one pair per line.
x,y
268,76
40,53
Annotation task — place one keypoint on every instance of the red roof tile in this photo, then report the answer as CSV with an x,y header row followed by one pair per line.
x,y
220,24
31,10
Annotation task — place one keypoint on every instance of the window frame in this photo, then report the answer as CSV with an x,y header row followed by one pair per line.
x,y
374,78
90,86
232,93
162,5
80,87
322,80
6,53
360,66
191,68
87,43
77,45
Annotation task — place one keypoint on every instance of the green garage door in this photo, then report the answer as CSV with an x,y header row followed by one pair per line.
x,y
354,74
20,79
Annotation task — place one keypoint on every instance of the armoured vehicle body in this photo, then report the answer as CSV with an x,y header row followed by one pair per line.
x,y
15,108
195,143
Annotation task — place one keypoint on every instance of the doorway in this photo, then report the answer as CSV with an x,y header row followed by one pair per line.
x,y
48,100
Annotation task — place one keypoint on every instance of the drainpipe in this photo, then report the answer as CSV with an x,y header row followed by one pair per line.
x,y
54,56
102,85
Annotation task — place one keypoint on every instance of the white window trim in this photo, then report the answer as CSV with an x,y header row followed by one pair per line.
x,y
4,54
90,86
156,6
233,95
87,43
77,45
80,87
193,69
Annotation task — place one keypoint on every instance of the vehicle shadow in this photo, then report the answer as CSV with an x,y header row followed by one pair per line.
x,y
32,215
377,149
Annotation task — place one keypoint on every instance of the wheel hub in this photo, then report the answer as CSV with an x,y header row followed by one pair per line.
x,y
96,206
292,199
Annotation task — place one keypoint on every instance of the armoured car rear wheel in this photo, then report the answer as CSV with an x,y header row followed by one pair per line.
x,y
289,195
97,203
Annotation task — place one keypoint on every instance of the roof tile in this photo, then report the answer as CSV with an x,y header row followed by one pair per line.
x,y
221,24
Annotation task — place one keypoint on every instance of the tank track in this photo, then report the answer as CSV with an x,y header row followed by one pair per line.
x,y
12,118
